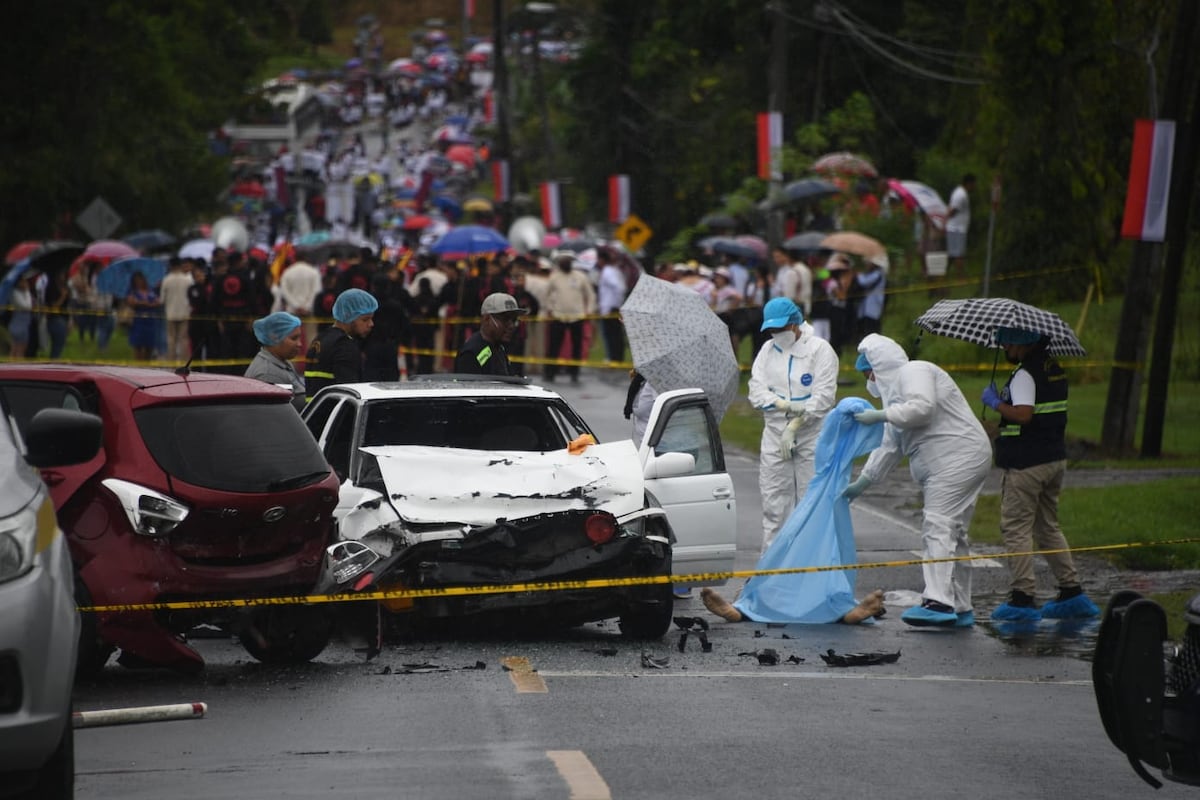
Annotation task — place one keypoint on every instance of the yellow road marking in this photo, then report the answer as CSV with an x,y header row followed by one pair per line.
x,y
523,675
582,778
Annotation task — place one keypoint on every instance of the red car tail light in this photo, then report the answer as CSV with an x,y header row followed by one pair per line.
x,y
600,528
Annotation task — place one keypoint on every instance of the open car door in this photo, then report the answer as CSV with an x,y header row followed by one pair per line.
x,y
699,504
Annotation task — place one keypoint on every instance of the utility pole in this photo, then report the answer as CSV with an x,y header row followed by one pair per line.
x,y
776,94
500,96
1178,212
1145,273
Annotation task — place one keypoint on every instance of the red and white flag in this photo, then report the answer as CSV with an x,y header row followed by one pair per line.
x,y
551,206
1149,180
618,198
501,188
770,140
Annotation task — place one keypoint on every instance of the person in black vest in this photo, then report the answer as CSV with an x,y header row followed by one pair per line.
x,y
336,355
485,353
234,303
1032,451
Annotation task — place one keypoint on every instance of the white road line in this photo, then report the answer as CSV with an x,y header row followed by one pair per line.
x,y
582,778
786,676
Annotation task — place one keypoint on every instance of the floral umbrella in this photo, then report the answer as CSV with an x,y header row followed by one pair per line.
x,y
845,164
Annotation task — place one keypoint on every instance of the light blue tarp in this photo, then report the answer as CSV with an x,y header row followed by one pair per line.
x,y
818,533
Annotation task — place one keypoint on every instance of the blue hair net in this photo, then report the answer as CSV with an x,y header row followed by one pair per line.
x,y
779,313
274,328
352,304
1016,336
862,365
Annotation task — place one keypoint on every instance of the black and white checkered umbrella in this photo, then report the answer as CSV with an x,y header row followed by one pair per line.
x,y
976,319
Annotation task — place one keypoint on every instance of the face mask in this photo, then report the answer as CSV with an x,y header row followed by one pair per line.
x,y
873,388
784,339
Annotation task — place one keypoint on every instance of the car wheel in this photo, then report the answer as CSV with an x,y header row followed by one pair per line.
x,y
287,634
649,619
93,651
56,779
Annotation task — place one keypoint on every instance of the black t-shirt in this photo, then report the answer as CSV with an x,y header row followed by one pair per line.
x,y
478,357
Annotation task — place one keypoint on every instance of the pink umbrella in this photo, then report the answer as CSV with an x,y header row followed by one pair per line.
x,y
924,197
109,250
755,243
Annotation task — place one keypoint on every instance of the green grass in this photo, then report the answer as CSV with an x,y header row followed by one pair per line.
x,y
1130,515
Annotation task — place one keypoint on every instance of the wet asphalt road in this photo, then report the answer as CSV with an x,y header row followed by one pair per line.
x,y
979,713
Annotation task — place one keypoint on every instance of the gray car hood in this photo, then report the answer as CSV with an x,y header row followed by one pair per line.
x,y
477,487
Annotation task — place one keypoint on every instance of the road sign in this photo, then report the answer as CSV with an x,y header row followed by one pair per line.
x,y
99,219
633,233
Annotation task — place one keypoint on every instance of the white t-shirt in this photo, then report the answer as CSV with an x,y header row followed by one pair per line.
x,y
1021,389
960,204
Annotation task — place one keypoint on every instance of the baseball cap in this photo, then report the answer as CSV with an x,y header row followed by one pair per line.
x,y
501,303
779,313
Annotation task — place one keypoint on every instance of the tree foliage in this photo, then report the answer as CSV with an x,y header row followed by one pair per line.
x,y
116,99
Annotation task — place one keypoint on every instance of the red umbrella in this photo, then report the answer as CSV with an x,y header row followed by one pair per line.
x,y
416,222
21,251
845,164
462,153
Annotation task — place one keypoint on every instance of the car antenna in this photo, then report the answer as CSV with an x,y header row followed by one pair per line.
x,y
186,369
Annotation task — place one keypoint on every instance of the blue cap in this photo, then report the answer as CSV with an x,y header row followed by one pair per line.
x,y
352,304
1016,336
862,365
274,328
779,313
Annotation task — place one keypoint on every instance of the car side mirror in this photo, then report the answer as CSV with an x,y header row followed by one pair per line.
x,y
58,437
669,465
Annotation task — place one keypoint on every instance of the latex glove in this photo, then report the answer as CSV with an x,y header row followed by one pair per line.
x,y
787,440
870,416
991,397
857,487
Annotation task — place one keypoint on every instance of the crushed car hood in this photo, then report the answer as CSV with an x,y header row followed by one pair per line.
x,y
477,487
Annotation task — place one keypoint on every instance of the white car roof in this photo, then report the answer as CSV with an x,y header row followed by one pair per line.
x,y
442,387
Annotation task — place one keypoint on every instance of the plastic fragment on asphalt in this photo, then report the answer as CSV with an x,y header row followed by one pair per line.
x,y
650,662
834,659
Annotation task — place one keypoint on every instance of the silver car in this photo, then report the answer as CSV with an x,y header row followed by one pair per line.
x,y
39,626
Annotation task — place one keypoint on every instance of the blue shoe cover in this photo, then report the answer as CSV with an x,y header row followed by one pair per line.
x,y
1008,613
966,619
919,615
1078,607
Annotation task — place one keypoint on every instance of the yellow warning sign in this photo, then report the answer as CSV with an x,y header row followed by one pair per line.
x,y
633,233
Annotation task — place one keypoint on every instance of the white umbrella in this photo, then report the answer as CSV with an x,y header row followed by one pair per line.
x,y
198,248
678,342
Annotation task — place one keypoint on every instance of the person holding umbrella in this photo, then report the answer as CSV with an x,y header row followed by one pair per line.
x,y
1032,451
928,419
794,383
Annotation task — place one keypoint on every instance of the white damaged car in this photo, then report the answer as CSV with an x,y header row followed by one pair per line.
x,y
468,481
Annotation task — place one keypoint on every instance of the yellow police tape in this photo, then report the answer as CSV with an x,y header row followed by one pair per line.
x,y
592,583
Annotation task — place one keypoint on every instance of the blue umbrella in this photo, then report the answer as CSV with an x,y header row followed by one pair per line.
x,y
116,277
448,206
470,240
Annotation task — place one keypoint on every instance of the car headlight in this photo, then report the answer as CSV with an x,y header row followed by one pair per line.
x,y
150,513
18,543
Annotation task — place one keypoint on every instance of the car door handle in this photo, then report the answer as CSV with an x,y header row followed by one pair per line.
x,y
722,493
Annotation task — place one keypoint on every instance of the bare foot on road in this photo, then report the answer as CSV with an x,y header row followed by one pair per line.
x,y
719,606
871,606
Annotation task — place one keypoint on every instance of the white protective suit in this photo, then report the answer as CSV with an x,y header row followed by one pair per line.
x,y
806,373
949,454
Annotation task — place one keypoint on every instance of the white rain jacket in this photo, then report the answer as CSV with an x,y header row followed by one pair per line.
x,y
806,373
949,454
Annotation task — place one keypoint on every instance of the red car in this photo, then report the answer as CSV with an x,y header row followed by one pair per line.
x,y
207,487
